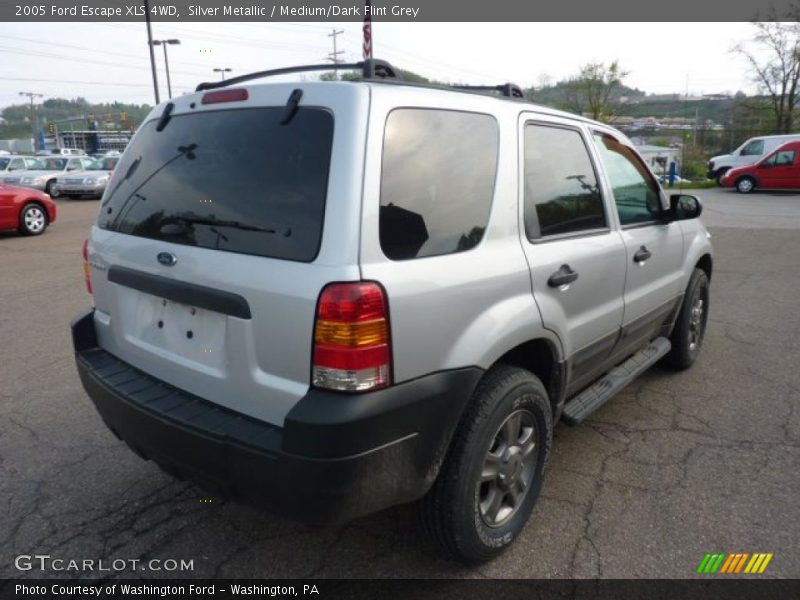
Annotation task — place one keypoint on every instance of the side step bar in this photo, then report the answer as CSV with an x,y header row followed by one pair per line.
x,y
592,398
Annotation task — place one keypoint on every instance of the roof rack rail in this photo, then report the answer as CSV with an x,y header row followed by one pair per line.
x,y
510,90
370,69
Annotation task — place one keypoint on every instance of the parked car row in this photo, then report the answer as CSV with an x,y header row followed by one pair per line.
x,y
778,170
748,154
57,174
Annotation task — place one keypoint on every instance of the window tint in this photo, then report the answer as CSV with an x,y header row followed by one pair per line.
x,y
636,193
437,182
754,148
561,191
234,180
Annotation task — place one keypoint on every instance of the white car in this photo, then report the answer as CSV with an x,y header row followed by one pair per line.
x,y
90,182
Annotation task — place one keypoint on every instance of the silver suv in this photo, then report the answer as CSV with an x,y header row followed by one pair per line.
x,y
334,297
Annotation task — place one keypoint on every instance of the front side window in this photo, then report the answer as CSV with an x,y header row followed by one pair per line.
x,y
636,192
754,148
437,181
784,158
561,191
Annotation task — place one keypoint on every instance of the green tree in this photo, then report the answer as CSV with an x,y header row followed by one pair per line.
x,y
774,58
594,89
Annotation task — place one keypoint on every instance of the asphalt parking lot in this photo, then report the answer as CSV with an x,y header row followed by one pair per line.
x,y
676,466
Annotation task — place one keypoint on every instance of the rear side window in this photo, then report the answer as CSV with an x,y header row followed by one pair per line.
x,y
233,180
437,181
561,191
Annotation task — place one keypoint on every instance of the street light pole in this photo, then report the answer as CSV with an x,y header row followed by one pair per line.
x,y
164,44
152,53
222,72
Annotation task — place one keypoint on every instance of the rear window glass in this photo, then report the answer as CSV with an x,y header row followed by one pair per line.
x,y
437,182
233,180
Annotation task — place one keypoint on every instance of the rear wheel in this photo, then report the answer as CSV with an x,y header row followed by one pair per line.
x,y
32,220
494,471
745,185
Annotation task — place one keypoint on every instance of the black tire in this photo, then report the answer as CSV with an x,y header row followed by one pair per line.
x,y
49,189
687,336
745,185
32,219
453,512
720,173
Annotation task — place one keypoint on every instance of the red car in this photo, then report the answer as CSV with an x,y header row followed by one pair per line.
x,y
777,171
27,210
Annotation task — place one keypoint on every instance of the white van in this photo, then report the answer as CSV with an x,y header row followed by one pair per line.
x,y
747,154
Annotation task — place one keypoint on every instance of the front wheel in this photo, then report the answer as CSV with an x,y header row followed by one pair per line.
x,y
745,185
52,189
690,326
494,471
32,220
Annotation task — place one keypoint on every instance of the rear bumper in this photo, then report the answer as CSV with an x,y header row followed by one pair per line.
x,y
338,456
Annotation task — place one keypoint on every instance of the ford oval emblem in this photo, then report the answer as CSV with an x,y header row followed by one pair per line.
x,y
167,259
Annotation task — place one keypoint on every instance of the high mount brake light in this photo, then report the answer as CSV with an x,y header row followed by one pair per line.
x,y
352,352
234,95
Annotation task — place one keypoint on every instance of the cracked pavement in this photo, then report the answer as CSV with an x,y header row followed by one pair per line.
x,y
675,466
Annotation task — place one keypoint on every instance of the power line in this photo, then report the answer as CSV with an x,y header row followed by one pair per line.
x,y
87,49
108,83
6,49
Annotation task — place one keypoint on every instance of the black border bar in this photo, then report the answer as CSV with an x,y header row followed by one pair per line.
x,y
398,11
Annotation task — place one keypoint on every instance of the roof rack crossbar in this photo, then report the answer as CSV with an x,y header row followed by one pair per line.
x,y
370,69
510,90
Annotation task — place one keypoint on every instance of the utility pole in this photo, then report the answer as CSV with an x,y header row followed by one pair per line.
x,y
152,52
334,56
31,96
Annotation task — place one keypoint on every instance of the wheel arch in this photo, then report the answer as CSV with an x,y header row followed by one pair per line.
x,y
541,357
706,264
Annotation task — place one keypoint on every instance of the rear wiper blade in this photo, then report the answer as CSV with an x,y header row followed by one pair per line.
x,y
214,222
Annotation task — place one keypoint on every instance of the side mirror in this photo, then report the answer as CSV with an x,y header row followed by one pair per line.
x,y
685,206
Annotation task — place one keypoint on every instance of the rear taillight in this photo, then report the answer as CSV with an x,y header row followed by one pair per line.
x,y
351,338
87,268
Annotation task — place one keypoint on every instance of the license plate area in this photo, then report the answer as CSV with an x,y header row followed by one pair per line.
x,y
176,331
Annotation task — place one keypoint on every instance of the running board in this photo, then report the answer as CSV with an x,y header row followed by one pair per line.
x,y
592,398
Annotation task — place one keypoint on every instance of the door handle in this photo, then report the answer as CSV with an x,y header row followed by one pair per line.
x,y
563,276
642,254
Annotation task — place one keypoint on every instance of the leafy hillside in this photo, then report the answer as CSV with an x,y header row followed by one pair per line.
x,y
58,109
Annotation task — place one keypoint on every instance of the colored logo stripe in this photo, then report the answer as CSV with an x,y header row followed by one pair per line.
x,y
734,563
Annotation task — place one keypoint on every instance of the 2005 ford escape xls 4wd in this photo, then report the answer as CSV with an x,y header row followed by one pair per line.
x,y
333,297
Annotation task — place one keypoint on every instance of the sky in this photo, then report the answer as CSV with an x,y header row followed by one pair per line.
x,y
109,61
